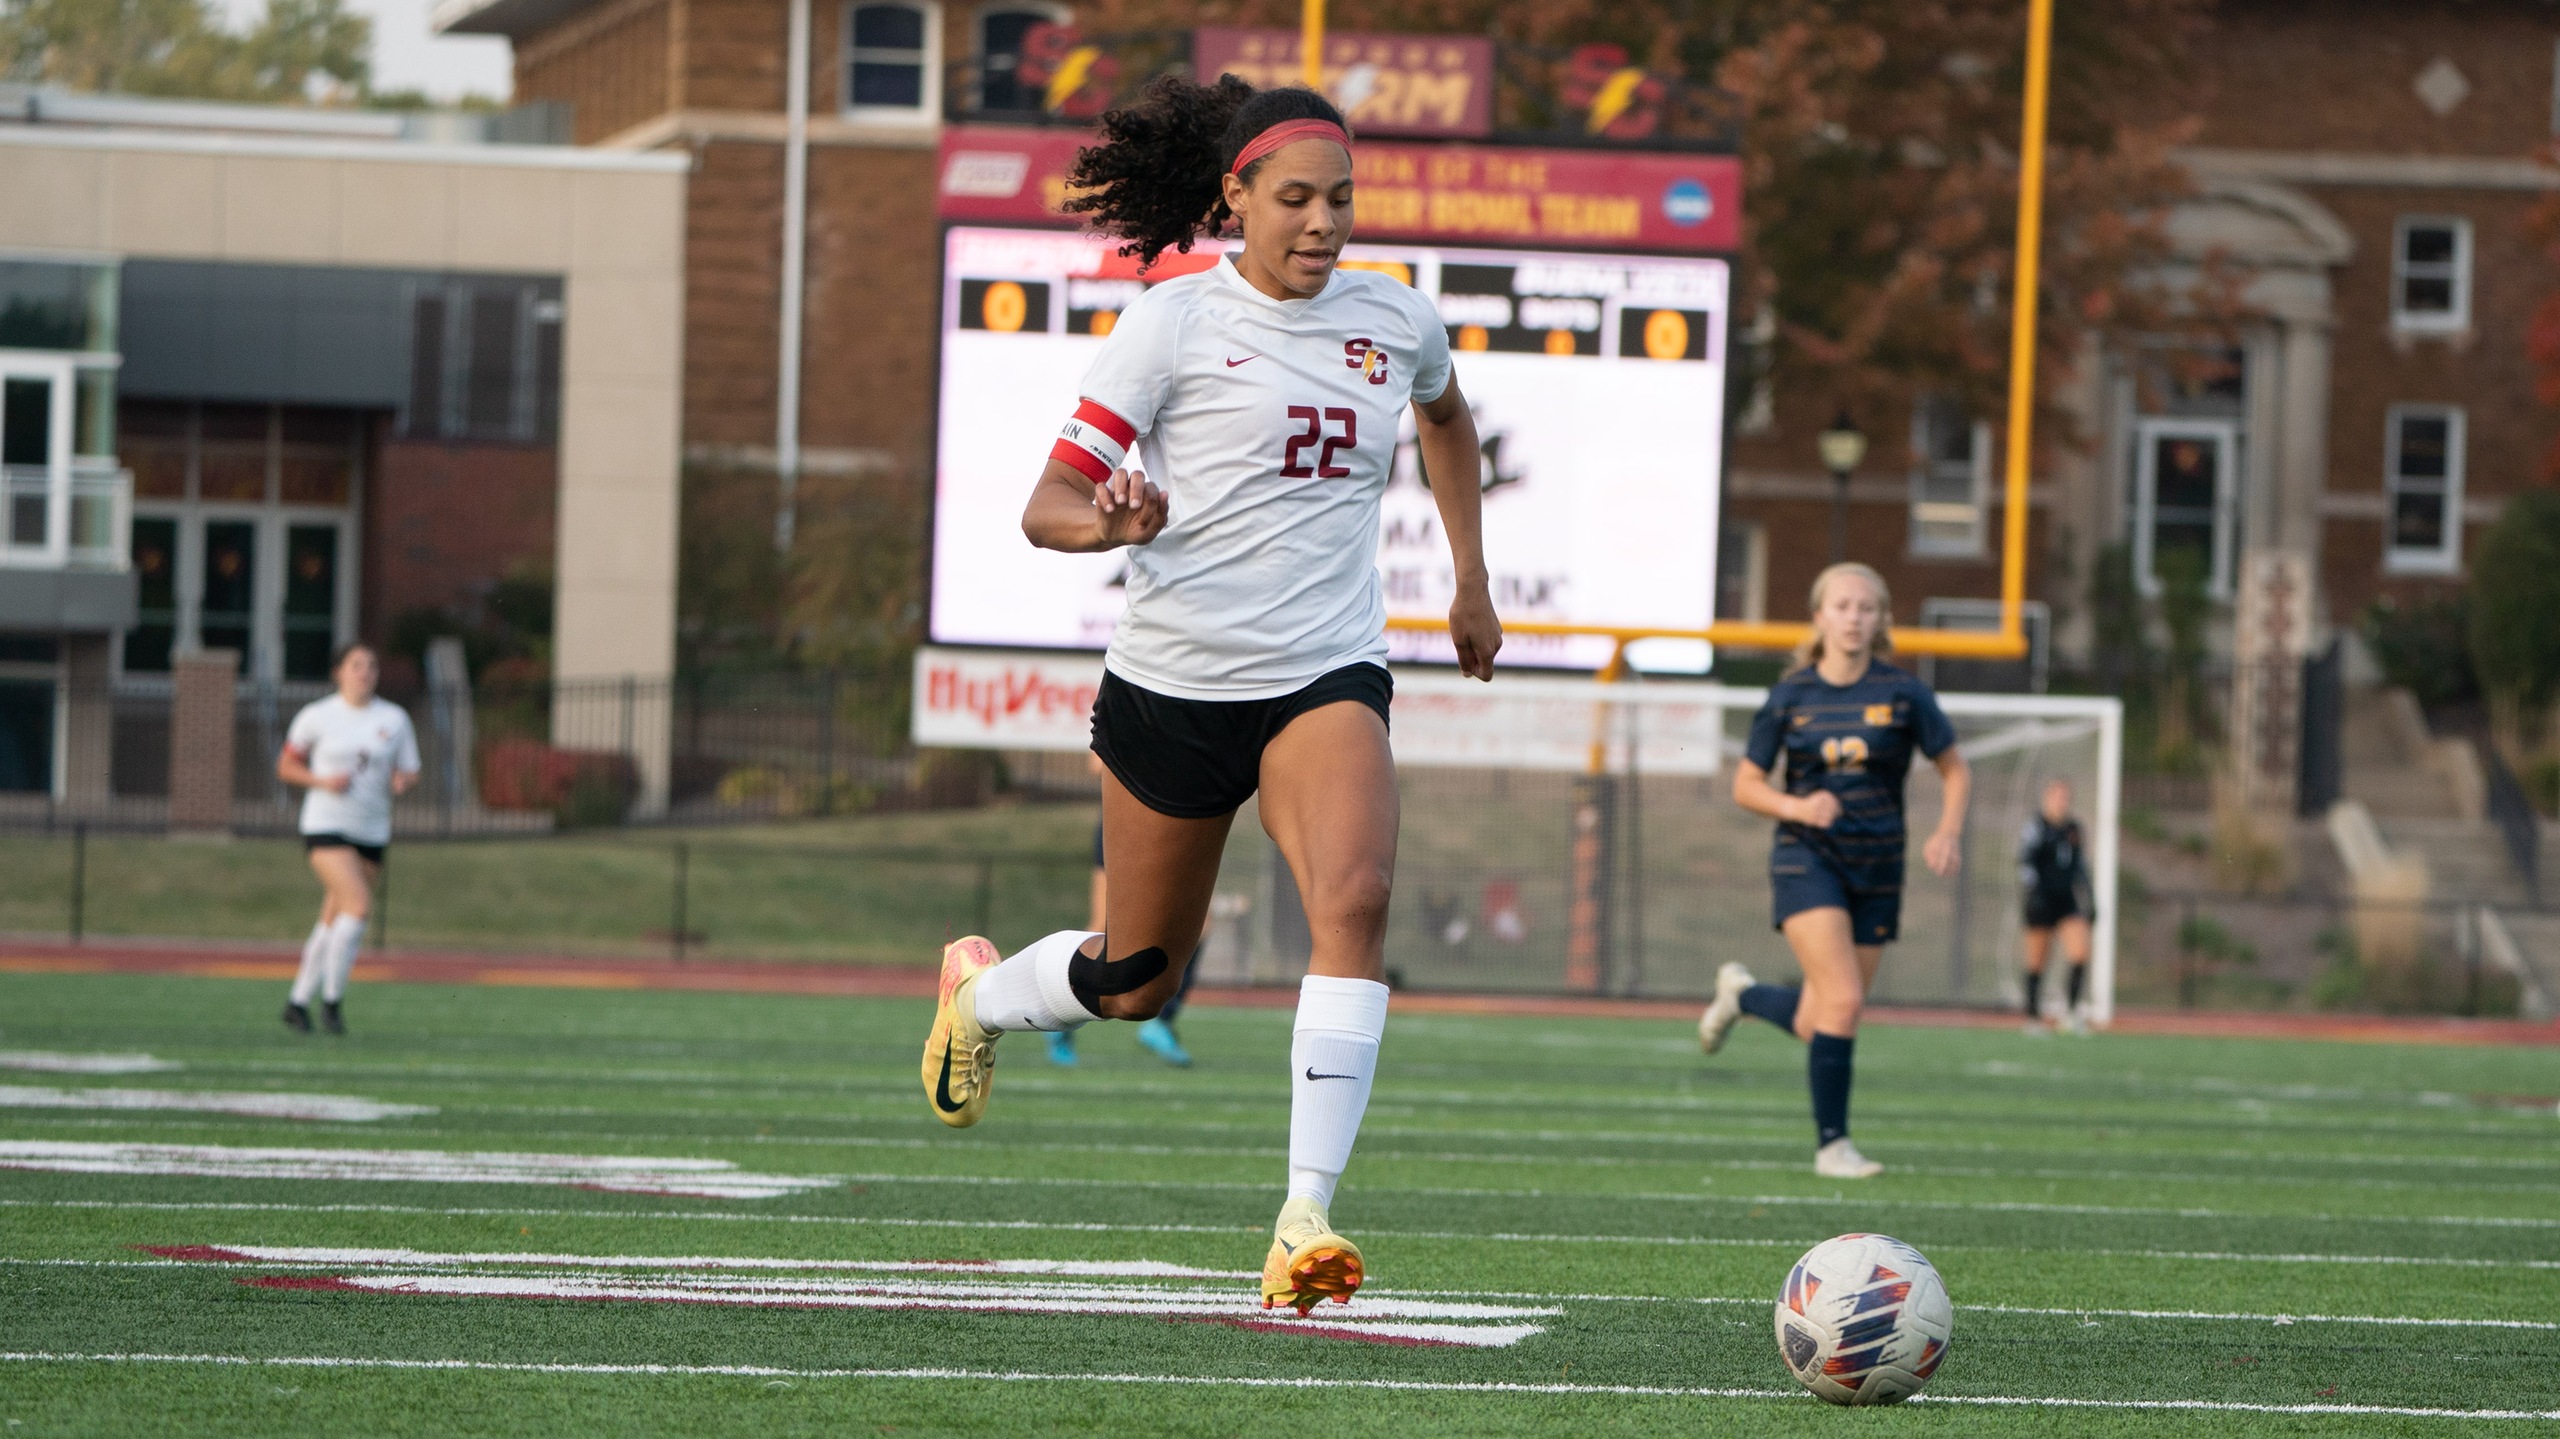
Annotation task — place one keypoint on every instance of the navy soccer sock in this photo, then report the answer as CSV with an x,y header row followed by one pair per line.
x,y
2079,978
2035,993
1827,1070
1773,1003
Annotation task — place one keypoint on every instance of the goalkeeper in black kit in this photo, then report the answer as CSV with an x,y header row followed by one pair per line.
x,y
2053,872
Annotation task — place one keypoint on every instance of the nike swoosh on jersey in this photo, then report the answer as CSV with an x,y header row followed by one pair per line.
x,y
1231,364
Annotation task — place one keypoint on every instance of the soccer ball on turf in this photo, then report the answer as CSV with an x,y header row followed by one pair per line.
x,y
1863,1319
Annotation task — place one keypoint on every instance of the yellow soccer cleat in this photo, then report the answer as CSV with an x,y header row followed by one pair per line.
x,y
960,1057
1309,1263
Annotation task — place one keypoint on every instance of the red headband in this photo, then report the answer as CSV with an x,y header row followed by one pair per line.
x,y
1285,133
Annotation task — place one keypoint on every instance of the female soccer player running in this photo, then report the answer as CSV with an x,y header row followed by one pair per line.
x,y
1847,723
1265,392
2053,875
350,753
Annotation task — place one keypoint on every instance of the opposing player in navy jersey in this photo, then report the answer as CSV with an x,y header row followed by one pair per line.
x,y
2054,900
1847,724
1235,434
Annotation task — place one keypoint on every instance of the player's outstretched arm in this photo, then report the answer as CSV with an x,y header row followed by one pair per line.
x,y
1446,429
1945,846
1069,512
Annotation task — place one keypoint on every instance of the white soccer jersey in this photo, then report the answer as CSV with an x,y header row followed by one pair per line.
x,y
335,738
1271,427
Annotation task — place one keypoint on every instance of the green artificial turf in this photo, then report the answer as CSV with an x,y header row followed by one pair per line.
x,y
873,889
1600,1169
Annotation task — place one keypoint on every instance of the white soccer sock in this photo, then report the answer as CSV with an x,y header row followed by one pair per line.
x,y
306,980
346,936
1332,1061
1030,990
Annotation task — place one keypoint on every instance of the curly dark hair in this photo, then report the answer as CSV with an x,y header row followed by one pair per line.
x,y
1154,180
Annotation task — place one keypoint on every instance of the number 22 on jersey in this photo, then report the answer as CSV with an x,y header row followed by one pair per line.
x,y
1318,435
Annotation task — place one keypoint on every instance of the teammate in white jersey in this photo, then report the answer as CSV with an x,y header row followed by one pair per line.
x,y
1236,433
350,753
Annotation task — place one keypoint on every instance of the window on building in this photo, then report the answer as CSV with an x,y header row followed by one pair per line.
x,y
1950,479
2431,273
243,532
2186,511
484,362
2422,473
1001,31
892,62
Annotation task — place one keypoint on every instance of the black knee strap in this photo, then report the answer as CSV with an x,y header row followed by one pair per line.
x,y
1091,979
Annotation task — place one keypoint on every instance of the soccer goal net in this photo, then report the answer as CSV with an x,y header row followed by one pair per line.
x,y
1575,836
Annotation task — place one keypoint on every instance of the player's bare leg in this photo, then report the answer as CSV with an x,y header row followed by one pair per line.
x,y
2037,948
1163,870
329,955
1837,973
2074,932
1329,802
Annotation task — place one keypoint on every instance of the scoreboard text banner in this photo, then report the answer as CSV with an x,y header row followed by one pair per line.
x,y
1444,194
1438,86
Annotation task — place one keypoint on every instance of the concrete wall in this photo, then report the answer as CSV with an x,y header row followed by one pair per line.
x,y
613,225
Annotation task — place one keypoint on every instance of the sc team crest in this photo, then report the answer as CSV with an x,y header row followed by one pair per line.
x,y
1364,355
1880,714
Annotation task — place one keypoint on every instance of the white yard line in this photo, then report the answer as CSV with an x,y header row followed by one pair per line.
x,y
758,1371
305,1257
416,1258
291,1258
263,1104
1773,1200
707,1178
1507,1161
54,1061
1100,1227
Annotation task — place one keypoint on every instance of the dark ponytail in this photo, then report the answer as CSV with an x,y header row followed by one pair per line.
x,y
1154,179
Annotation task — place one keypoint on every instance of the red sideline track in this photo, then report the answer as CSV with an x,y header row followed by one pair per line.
x,y
208,961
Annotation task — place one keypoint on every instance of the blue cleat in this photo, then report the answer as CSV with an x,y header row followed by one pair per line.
x,y
1158,1037
1062,1047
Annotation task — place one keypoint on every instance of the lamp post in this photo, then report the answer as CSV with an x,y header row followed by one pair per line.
x,y
1842,446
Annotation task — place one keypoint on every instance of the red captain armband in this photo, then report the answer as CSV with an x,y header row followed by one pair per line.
x,y
1094,441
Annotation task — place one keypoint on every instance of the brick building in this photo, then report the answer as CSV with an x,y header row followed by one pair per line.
x,y
277,376
2372,165
707,76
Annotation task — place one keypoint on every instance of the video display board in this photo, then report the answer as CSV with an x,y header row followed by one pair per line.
x,y
1597,383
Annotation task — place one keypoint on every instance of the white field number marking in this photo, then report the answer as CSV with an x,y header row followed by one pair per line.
x,y
263,1104
625,1174
980,1286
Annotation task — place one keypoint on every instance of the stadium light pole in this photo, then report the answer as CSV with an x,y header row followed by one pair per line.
x,y
1311,44
1842,447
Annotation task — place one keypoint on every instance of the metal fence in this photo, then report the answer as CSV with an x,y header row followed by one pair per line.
x,y
691,896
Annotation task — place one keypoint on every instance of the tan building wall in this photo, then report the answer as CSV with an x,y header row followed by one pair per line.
x,y
612,225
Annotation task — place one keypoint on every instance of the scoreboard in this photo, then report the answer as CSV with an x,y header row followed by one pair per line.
x,y
1598,388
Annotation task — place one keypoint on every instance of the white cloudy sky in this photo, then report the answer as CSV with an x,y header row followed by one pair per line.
x,y
408,56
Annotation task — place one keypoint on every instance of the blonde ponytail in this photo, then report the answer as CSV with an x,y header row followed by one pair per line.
x,y
1809,649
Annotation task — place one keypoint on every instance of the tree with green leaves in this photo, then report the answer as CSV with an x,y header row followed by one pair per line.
x,y
2515,597
298,50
